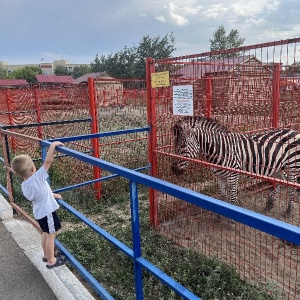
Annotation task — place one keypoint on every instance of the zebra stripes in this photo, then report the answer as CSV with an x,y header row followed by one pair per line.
x,y
263,154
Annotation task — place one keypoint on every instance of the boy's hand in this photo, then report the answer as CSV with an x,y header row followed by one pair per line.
x,y
50,154
57,143
57,196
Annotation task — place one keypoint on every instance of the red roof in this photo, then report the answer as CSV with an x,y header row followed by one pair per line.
x,y
55,79
13,82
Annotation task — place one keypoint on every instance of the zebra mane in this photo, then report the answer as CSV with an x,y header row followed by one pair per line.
x,y
200,121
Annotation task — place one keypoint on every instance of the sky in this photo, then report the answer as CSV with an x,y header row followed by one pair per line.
x,y
32,31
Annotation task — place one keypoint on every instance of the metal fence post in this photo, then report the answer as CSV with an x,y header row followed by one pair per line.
x,y
276,95
208,94
152,142
135,223
94,129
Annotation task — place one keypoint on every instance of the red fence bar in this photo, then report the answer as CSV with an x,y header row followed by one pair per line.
x,y
10,118
38,113
276,95
94,129
208,89
152,144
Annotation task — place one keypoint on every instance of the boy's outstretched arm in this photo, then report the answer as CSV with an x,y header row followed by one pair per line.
x,y
50,154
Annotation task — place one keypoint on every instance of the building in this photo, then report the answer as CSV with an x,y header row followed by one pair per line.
x,y
46,67
54,80
13,83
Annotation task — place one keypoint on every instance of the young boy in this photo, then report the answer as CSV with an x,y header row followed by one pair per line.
x,y
37,190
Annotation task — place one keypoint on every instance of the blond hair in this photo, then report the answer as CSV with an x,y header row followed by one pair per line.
x,y
22,165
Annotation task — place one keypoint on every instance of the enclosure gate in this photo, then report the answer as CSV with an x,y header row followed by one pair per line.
x,y
250,90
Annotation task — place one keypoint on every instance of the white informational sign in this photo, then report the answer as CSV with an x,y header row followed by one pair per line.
x,y
183,100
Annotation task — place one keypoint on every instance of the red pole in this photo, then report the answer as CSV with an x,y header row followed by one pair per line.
x,y
208,93
94,129
276,99
152,143
276,95
10,118
38,112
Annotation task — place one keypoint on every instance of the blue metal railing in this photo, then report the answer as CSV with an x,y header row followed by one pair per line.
x,y
263,223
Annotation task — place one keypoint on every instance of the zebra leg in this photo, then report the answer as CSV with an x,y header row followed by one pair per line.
x,y
222,188
233,181
291,191
272,196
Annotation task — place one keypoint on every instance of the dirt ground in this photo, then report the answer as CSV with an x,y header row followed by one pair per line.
x,y
257,256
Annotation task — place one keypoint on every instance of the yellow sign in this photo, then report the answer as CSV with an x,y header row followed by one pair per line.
x,y
160,79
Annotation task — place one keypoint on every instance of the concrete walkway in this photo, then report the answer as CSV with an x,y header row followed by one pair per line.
x,y
23,274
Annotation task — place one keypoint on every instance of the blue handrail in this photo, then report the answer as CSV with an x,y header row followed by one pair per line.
x,y
258,221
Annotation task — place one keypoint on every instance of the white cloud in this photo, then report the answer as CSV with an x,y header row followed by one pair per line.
x,y
253,7
161,19
175,16
214,11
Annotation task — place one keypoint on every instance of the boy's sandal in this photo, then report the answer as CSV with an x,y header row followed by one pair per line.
x,y
57,253
46,260
59,262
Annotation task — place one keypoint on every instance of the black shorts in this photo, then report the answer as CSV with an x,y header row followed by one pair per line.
x,y
50,223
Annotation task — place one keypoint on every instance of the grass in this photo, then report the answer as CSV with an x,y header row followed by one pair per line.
x,y
208,278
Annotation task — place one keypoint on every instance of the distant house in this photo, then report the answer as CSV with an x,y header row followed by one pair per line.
x,y
95,75
13,83
241,80
109,91
54,80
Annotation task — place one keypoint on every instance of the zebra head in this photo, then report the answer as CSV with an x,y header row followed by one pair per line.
x,y
186,144
194,135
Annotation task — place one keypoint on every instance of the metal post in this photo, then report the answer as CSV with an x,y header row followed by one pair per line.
x,y
135,223
38,113
276,95
152,143
94,129
208,94
10,118
6,155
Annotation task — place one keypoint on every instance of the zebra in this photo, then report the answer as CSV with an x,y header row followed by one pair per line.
x,y
263,154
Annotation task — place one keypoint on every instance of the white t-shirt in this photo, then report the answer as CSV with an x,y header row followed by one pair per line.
x,y
37,190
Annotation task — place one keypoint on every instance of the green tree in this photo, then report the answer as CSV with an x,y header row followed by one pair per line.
x,y
96,65
120,64
61,71
81,70
3,73
28,73
131,61
221,41
152,47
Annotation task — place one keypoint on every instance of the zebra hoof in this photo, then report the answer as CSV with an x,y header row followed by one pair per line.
x,y
176,170
268,207
288,211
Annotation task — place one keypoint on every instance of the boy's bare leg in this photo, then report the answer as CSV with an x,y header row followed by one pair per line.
x,y
44,237
49,246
